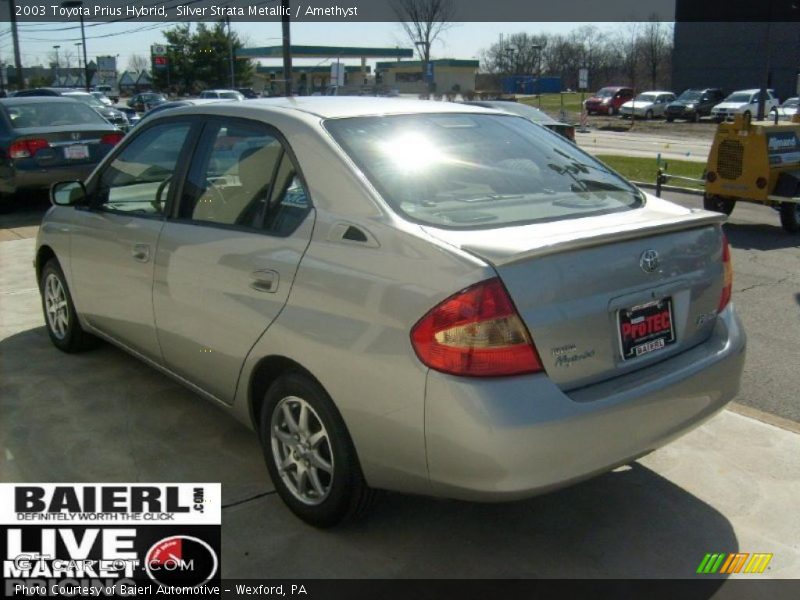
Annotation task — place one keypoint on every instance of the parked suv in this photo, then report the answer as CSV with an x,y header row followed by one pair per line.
x,y
608,100
693,104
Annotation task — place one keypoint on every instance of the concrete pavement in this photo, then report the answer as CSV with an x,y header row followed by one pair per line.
x,y
731,485
624,143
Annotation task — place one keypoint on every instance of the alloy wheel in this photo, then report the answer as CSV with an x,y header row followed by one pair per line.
x,y
301,450
56,308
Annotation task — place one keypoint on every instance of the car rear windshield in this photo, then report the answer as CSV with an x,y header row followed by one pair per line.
x,y
468,171
52,114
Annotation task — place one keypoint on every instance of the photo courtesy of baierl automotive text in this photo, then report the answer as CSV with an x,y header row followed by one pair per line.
x,y
399,299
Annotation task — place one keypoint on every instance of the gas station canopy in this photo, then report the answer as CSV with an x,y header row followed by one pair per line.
x,y
325,52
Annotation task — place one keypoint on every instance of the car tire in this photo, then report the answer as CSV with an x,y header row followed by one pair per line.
x,y
648,115
309,453
790,217
670,119
696,117
60,318
717,204
611,111
747,114
6,204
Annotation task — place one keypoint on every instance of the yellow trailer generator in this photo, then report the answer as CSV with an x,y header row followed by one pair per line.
x,y
755,162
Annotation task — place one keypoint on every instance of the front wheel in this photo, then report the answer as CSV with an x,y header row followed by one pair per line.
x,y
790,217
310,457
611,111
717,204
648,115
63,327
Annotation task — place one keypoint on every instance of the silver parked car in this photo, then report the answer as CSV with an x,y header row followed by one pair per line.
x,y
426,297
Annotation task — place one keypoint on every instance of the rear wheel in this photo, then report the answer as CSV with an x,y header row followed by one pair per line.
x,y
717,204
310,456
63,327
790,217
670,119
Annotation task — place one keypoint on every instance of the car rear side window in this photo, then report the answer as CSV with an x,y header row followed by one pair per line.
x,y
467,171
242,176
139,178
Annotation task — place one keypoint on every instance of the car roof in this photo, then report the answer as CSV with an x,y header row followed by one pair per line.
x,y
655,92
751,91
333,107
13,101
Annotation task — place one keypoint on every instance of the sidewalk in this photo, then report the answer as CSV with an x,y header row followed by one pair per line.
x,y
730,486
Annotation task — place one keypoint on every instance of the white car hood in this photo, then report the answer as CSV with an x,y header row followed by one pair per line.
x,y
733,105
638,104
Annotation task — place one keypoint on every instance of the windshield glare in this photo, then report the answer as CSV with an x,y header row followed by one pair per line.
x,y
685,96
645,98
738,98
469,171
606,92
86,99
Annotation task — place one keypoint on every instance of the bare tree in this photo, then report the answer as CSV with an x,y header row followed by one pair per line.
x,y
62,58
630,50
424,21
655,47
137,63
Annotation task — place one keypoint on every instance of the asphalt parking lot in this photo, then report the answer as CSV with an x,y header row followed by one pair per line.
x,y
731,485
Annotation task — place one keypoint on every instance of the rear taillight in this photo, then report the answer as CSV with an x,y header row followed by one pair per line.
x,y
27,148
112,138
477,332
727,275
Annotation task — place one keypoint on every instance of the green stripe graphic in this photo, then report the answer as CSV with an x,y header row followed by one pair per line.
x,y
701,568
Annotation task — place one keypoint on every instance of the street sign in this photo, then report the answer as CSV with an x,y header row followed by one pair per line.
x,y
160,62
158,50
583,78
337,74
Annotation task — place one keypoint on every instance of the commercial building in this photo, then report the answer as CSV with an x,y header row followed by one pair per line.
x,y
447,75
738,54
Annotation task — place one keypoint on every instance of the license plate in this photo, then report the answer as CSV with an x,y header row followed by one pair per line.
x,y
645,328
76,152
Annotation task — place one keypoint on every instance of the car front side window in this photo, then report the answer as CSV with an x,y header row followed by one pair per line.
x,y
139,178
242,176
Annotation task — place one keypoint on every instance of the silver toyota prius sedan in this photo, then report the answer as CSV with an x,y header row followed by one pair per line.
x,y
417,296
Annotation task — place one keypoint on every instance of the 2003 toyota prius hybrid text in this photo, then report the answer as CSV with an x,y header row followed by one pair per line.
x,y
417,296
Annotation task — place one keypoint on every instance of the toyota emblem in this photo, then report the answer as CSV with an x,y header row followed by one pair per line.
x,y
75,135
649,261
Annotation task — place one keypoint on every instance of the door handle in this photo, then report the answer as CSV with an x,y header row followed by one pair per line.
x,y
141,252
265,281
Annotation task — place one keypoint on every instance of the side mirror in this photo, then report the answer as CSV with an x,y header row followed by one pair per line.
x,y
68,193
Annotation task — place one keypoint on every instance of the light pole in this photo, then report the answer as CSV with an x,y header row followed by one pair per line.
x,y
79,4
77,45
58,64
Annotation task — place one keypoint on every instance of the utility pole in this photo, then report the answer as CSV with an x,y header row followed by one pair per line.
x,y
15,38
287,49
230,52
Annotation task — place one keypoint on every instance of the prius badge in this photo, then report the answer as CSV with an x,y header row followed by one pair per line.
x,y
649,261
75,135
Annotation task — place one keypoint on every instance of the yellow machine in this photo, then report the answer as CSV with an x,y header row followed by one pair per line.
x,y
756,162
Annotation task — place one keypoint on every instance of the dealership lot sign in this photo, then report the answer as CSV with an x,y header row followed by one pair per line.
x,y
110,539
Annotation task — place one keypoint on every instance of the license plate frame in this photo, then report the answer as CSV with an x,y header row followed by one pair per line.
x,y
645,328
76,152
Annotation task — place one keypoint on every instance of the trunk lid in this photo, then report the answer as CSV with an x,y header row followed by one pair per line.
x,y
571,280
63,141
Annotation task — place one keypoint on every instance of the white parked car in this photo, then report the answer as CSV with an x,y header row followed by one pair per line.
x,y
744,102
788,109
222,94
647,105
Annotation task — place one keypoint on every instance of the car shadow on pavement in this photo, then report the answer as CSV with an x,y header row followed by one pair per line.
x,y
105,416
759,236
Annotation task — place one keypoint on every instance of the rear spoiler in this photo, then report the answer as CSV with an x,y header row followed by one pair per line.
x,y
499,256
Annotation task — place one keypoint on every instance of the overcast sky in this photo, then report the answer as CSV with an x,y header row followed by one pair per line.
x,y
463,40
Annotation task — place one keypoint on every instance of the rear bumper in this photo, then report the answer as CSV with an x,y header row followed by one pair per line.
x,y
510,438
14,180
